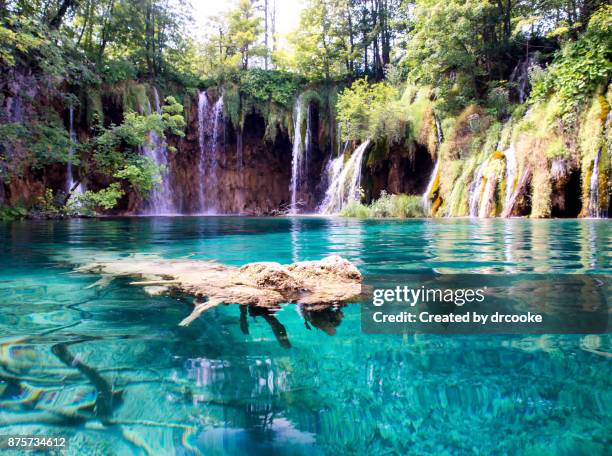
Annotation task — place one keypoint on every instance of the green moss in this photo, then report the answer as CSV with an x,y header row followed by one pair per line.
x,y
492,137
278,120
591,140
378,151
135,98
448,174
419,110
541,193
232,105
94,111
457,201
556,149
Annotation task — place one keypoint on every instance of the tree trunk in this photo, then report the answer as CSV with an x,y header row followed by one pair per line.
x,y
266,34
351,64
273,26
56,21
104,38
385,35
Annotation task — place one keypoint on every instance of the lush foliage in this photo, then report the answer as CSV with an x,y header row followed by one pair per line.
x,y
371,111
392,71
387,206
263,86
581,66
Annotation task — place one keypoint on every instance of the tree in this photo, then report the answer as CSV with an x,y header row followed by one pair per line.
x,y
244,30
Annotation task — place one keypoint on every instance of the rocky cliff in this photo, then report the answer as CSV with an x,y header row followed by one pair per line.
x,y
478,166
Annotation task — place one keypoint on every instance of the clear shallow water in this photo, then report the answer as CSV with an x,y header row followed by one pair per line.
x,y
110,368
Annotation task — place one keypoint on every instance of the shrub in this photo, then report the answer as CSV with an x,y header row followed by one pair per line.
x,y
355,209
387,206
580,66
141,172
89,202
498,101
264,85
17,212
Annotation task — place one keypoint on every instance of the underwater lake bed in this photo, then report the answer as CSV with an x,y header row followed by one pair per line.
x,y
110,369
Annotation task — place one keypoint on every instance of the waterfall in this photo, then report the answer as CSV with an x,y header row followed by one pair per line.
x,y
439,133
214,165
208,165
73,141
307,141
430,186
475,190
345,181
209,156
203,107
511,168
594,203
520,76
435,174
161,198
296,154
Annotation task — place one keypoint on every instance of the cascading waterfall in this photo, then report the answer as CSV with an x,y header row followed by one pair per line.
x,y
594,203
70,183
297,154
214,164
203,107
161,198
475,190
434,175
307,141
520,76
511,168
430,186
209,156
345,181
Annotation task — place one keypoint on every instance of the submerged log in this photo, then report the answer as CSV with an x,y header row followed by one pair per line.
x,y
329,281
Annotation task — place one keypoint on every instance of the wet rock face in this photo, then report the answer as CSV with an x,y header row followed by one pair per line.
x,y
252,173
405,169
565,197
23,98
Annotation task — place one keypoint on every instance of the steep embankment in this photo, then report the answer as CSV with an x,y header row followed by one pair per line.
x,y
525,163
246,156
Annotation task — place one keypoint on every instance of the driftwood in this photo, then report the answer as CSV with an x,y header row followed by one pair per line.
x,y
315,284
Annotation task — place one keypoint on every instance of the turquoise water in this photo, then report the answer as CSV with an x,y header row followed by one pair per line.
x,y
111,370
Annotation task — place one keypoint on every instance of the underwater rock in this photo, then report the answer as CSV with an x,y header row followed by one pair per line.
x,y
322,283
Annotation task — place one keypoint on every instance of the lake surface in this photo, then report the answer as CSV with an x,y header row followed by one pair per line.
x,y
111,370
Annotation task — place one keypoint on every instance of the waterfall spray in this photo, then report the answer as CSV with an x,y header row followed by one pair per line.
x,y
202,114
208,165
594,209
475,190
70,182
345,181
214,165
511,168
435,174
296,154
161,198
